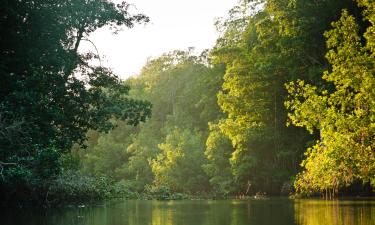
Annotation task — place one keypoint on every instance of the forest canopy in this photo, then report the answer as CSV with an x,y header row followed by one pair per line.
x,y
226,121
284,103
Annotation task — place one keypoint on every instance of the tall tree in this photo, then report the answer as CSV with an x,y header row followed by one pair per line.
x,y
50,95
218,168
276,42
344,116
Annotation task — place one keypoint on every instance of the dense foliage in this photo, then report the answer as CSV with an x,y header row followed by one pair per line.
x,y
279,43
219,121
283,102
344,115
168,150
50,95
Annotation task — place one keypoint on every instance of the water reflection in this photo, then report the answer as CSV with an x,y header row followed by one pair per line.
x,y
317,212
225,212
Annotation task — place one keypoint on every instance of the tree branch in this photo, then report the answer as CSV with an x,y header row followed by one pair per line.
x,y
79,38
96,49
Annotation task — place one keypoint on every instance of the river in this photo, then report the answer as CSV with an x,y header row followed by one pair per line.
x,y
277,211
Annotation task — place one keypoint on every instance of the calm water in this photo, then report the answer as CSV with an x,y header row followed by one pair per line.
x,y
207,212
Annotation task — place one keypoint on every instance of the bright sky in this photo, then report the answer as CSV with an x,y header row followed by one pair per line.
x,y
175,24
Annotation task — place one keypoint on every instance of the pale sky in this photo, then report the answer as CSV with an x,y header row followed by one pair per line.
x,y
175,24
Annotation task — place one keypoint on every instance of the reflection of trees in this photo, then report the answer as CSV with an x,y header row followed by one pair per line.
x,y
235,218
217,212
318,212
162,214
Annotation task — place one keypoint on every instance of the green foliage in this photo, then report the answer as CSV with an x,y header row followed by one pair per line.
x,y
219,122
218,152
50,95
74,187
219,119
179,165
108,153
344,116
263,50
182,89
162,193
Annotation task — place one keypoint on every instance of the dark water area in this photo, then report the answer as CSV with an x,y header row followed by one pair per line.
x,y
201,212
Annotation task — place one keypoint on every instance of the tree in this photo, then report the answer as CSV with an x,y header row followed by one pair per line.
x,y
344,116
179,165
50,95
276,43
218,152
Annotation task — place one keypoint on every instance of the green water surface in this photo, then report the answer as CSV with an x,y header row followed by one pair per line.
x,y
202,212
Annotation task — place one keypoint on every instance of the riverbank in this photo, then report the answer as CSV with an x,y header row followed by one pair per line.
x,y
74,188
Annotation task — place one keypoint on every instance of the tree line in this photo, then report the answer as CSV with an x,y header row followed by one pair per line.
x,y
283,103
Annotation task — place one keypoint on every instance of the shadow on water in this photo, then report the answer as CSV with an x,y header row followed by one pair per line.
x,y
205,212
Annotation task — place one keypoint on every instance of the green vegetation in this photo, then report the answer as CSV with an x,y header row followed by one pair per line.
x,y
45,106
343,115
219,123
168,150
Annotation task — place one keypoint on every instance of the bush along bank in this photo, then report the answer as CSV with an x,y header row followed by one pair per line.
x,y
69,188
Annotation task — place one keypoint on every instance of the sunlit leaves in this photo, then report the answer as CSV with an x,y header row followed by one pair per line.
x,y
344,116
